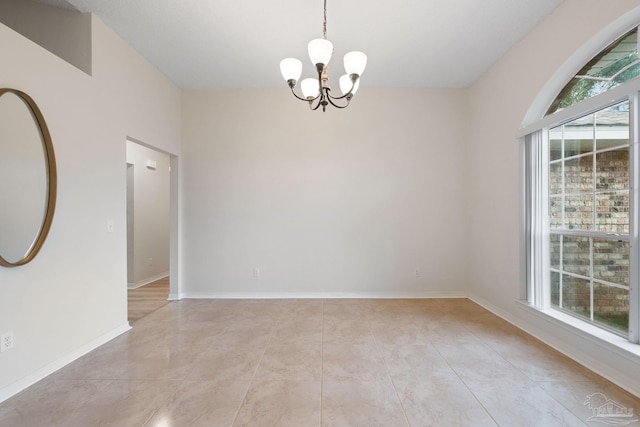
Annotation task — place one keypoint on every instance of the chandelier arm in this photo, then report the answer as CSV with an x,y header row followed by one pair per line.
x,y
331,99
347,95
317,105
301,98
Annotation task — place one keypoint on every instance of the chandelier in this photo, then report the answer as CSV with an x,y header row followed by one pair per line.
x,y
317,91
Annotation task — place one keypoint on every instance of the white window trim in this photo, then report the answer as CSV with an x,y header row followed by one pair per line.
x,y
634,212
537,250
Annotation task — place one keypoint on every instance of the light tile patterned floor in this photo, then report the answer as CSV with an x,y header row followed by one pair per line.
x,y
328,363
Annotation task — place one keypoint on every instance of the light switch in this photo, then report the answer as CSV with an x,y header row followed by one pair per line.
x,y
110,226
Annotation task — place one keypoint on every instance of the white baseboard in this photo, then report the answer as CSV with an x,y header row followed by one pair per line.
x,y
148,280
18,386
318,295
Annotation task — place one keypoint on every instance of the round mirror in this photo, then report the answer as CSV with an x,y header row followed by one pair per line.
x,y
27,178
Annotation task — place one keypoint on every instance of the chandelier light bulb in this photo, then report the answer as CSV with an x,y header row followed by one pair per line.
x,y
291,69
346,84
310,88
355,62
320,51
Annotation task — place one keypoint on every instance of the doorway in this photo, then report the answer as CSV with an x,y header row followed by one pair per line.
x,y
148,229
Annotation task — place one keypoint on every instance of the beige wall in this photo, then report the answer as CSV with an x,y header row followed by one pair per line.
x,y
73,295
347,202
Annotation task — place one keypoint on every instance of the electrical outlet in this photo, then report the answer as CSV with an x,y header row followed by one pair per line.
x,y
6,341
256,272
417,272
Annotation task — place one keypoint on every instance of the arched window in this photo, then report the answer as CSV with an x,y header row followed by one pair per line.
x,y
612,67
582,218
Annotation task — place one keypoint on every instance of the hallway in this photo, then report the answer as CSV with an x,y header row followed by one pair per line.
x,y
147,299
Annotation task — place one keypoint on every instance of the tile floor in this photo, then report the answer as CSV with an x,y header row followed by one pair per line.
x,y
329,363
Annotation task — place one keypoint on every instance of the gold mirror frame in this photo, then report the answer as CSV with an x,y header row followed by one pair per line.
x,y
52,180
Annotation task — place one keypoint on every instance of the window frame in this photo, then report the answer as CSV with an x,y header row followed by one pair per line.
x,y
540,298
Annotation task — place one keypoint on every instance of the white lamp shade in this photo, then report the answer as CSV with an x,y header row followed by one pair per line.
x,y
291,68
310,88
320,51
355,62
345,85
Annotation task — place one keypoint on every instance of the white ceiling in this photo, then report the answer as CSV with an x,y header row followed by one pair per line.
x,y
218,44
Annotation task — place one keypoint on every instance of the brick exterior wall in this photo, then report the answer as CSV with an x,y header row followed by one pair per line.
x,y
611,215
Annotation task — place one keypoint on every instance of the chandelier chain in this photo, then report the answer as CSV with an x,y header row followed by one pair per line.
x,y
324,25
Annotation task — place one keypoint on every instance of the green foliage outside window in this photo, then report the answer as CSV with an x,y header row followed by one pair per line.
x,y
612,67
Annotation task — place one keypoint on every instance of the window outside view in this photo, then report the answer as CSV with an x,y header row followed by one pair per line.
x,y
589,200
612,67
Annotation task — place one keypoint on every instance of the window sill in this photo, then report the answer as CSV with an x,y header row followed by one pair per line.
x,y
598,336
